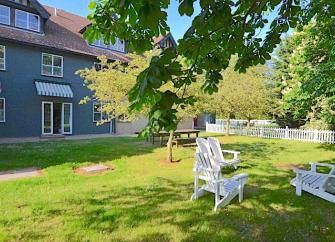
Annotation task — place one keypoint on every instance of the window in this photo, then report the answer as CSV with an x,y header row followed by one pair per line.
x,y
4,15
52,65
100,43
98,115
99,66
2,57
124,118
27,20
118,46
2,110
23,2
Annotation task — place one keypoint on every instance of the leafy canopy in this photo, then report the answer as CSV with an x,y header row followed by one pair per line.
x,y
221,29
111,84
310,86
244,96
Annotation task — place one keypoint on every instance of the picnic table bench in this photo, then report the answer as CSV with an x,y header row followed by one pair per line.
x,y
178,139
177,135
183,141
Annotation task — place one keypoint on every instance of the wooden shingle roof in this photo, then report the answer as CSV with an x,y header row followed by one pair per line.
x,y
61,32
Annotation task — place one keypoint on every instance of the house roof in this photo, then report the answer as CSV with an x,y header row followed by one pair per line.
x,y
161,38
39,8
62,32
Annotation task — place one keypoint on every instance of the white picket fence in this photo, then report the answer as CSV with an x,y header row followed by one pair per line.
x,y
316,136
242,122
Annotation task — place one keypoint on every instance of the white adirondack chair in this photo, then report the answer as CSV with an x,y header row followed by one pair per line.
x,y
225,190
218,154
203,146
318,184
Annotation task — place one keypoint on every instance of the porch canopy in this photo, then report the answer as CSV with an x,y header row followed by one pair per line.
x,y
53,89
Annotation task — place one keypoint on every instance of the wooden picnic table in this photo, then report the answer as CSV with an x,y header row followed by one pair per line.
x,y
177,133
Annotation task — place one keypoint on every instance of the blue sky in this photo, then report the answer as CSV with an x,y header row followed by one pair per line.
x,y
178,24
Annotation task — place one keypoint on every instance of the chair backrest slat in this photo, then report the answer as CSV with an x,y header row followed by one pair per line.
x,y
203,146
203,162
216,148
207,162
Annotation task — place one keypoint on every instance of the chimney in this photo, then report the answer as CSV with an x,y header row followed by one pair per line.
x,y
55,11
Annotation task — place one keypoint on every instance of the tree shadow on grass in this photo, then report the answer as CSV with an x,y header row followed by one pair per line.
x,y
266,214
162,211
327,147
54,153
256,150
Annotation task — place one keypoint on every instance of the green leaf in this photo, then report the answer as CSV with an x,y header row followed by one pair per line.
x,y
186,7
92,5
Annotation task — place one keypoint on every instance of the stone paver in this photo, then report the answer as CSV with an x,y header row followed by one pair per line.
x,y
21,173
93,169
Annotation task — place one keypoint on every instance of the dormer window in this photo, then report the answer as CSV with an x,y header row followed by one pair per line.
x,y
118,46
4,15
23,2
27,20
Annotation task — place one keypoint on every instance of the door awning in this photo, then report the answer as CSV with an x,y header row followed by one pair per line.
x,y
53,89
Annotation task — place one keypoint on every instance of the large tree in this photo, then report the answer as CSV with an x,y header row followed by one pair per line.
x,y
309,92
242,95
220,30
283,83
111,83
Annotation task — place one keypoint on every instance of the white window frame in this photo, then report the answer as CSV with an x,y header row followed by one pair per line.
x,y
52,118
97,103
63,117
118,46
28,25
4,110
52,65
8,8
102,66
4,58
101,113
123,119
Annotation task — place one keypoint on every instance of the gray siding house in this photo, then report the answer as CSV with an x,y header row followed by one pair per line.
x,y
41,48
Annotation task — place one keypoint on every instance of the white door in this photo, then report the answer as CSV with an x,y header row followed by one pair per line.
x,y
47,118
67,118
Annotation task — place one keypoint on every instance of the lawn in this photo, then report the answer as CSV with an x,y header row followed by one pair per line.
x,y
144,199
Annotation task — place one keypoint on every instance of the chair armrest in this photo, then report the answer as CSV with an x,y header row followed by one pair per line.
x,y
304,172
235,153
220,180
240,176
231,151
322,164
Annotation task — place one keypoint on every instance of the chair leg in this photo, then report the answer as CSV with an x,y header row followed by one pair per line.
x,y
240,194
224,201
298,186
195,194
217,196
198,192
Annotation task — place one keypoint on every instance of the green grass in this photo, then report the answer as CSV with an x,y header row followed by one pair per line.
x,y
144,199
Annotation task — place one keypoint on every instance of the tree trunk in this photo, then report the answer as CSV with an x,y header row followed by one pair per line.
x,y
228,125
169,147
248,123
